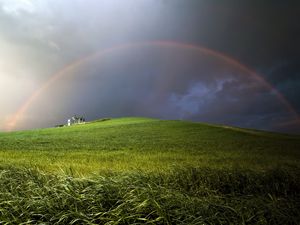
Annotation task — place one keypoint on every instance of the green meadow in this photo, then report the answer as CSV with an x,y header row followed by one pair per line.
x,y
149,171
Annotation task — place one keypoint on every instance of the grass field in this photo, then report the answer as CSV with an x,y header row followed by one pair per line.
x,y
148,171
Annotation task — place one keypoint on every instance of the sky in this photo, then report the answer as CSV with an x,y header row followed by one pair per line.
x,y
224,62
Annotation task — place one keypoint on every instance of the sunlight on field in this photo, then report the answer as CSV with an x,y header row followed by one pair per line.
x,y
86,163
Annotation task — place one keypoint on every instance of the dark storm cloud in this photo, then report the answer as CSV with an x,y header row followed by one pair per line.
x,y
40,37
286,77
261,34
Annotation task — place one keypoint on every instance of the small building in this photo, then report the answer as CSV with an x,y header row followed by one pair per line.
x,y
76,120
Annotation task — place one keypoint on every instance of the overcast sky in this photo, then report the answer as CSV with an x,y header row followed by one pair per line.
x,y
40,37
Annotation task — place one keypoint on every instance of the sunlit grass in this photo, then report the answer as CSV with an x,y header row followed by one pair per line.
x,y
85,163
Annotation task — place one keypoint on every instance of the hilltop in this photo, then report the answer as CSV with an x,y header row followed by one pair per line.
x,y
147,144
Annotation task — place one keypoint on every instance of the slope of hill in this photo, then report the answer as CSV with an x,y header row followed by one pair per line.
x,y
140,170
147,144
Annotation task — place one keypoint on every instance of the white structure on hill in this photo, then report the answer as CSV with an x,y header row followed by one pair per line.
x,y
76,120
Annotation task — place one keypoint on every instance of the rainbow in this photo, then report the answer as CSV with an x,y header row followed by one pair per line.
x,y
12,122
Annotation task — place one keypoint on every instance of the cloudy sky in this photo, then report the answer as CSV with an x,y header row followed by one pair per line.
x,y
226,62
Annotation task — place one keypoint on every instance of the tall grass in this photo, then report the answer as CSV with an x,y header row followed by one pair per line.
x,y
188,196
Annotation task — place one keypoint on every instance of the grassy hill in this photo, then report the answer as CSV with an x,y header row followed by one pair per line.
x,y
141,170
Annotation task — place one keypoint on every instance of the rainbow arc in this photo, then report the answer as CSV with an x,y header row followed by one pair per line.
x,y
12,123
